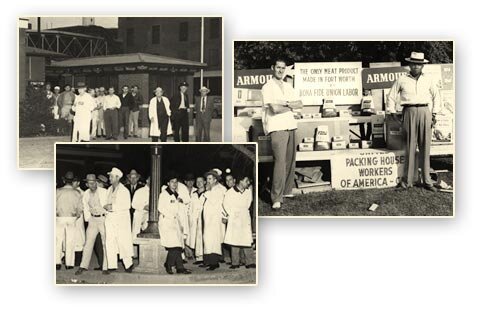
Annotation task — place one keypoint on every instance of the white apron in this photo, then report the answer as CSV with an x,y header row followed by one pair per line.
x,y
152,113
239,227
195,223
141,199
83,107
213,214
172,221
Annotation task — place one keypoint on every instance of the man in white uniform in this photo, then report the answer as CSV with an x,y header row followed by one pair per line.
x,y
141,206
68,210
93,199
194,241
172,225
83,106
278,120
238,235
213,214
118,223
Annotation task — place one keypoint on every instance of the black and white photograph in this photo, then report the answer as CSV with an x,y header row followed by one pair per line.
x,y
117,78
348,128
155,214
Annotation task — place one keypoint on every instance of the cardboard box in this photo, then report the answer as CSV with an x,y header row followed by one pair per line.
x,y
337,138
304,147
322,146
344,113
306,115
366,144
317,115
381,113
264,145
338,145
308,140
354,145
322,134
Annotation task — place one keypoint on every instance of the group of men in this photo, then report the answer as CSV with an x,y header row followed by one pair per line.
x,y
416,93
199,219
90,113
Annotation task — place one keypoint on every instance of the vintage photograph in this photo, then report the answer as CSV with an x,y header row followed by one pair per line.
x,y
117,78
156,214
348,128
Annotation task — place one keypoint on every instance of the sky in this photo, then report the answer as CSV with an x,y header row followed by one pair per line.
x,y
55,22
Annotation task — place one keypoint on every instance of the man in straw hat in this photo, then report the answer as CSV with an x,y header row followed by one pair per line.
x,y
213,214
94,199
118,223
179,104
68,210
279,101
419,97
159,113
204,115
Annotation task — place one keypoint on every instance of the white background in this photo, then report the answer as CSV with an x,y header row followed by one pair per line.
x,y
321,264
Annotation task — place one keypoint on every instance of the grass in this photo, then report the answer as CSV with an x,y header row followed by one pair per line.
x,y
392,201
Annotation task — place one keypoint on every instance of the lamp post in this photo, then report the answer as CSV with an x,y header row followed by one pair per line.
x,y
156,159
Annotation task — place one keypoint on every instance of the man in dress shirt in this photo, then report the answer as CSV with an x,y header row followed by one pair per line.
x,y
419,98
68,210
112,103
93,199
204,116
135,111
127,103
179,104
279,99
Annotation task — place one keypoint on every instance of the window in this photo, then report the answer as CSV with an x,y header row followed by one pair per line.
x,y
130,37
184,31
215,28
155,34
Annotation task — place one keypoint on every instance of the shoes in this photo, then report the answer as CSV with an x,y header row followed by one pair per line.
x,y
234,266
213,267
135,136
403,185
106,272
431,188
58,266
68,267
98,268
114,138
199,262
251,266
80,271
276,205
168,269
130,269
184,271
108,138
184,261
203,266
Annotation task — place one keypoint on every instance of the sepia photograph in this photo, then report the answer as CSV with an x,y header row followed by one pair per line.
x,y
156,214
348,128
117,78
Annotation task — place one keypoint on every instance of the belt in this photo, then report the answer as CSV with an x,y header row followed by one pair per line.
x,y
145,106
98,215
414,105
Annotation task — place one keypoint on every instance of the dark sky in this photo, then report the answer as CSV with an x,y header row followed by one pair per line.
x,y
182,158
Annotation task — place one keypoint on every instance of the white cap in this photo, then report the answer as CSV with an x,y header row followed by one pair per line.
x,y
219,172
115,172
57,87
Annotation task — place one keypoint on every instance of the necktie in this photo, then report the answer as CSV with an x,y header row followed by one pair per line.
x,y
203,104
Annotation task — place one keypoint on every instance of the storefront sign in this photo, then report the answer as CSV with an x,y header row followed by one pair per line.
x,y
252,79
379,78
369,169
340,81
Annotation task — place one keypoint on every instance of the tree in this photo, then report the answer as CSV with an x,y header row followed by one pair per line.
x,y
261,54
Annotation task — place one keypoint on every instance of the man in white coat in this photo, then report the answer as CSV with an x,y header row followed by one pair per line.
x,y
214,227
141,206
172,225
83,106
194,241
68,210
159,114
238,235
94,199
118,223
